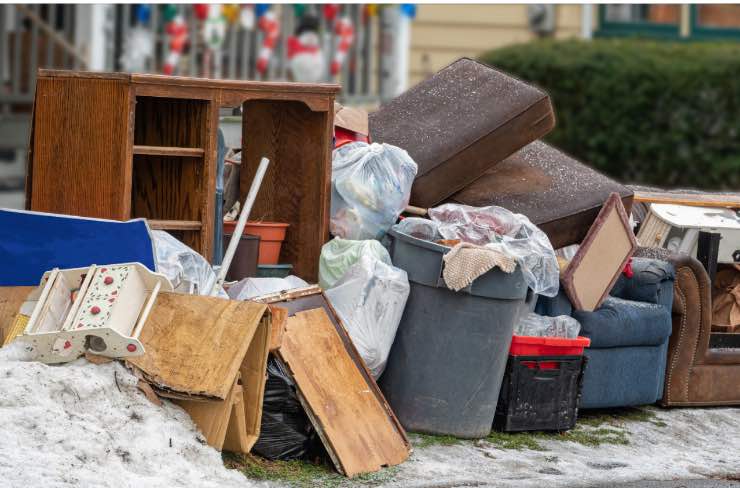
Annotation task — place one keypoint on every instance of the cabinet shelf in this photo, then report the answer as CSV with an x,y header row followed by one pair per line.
x,y
175,224
185,152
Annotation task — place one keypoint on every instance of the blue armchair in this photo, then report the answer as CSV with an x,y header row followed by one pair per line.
x,y
629,337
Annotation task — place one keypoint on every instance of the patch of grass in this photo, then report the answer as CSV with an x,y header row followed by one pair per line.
x,y
295,473
517,441
616,416
594,437
302,474
426,440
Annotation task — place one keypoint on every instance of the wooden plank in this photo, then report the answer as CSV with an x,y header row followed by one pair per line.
x,y
79,156
279,320
296,187
691,199
175,224
191,152
195,345
253,373
11,299
353,424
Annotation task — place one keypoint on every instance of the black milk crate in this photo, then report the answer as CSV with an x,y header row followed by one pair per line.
x,y
540,393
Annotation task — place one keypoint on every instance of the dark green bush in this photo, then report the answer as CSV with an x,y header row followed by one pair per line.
x,y
657,113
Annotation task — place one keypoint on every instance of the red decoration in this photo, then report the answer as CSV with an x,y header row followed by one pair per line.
x,y
131,347
108,280
268,24
330,11
201,11
346,33
95,310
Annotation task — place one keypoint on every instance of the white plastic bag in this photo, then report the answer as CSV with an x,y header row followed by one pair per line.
x,y
370,299
512,233
338,255
371,185
418,227
536,325
187,270
256,287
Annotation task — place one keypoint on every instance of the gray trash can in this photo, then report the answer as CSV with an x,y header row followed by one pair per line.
x,y
445,368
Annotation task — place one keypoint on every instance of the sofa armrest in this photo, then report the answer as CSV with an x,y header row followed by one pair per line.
x,y
692,324
652,282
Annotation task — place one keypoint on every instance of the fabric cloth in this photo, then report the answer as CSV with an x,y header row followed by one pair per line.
x,y
466,262
726,297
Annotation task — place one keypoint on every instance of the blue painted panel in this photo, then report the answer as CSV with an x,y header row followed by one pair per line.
x,y
32,243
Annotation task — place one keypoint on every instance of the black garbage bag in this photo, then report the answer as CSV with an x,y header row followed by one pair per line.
x,y
286,432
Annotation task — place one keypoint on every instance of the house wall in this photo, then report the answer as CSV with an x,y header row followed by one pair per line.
x,y
442,33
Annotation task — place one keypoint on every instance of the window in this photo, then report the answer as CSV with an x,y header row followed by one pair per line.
x,y
705,21
715,21
649,20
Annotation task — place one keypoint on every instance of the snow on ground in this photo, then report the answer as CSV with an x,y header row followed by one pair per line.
x,y
85,425
674,444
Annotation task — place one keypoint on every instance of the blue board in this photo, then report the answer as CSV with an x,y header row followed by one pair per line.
x,y
32,243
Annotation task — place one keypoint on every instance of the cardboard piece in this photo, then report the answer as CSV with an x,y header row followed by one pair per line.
x,y
32,243
558,193
351,118
459,123
342,400
600,258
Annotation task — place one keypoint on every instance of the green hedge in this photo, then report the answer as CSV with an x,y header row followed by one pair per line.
x,y
657,113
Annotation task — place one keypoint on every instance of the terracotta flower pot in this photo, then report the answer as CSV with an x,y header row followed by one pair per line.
x,y
272,235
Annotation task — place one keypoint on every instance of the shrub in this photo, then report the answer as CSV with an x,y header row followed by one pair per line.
x,y
641,111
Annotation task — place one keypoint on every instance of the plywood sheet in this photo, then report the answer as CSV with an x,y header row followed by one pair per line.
x,y
196,345
354,426
601,257
11,299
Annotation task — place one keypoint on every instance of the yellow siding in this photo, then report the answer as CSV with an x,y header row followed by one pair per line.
x,y
442,33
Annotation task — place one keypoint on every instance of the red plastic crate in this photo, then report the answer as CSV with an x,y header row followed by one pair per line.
x,y
547,346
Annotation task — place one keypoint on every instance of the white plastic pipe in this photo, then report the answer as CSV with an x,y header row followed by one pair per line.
x,y
240,224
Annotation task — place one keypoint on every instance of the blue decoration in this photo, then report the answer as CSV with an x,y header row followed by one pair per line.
x,y
143,13
32,243
409,10
261,9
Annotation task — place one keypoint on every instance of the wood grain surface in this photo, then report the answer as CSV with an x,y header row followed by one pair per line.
x,y
195,345
80,141
296,187
352,423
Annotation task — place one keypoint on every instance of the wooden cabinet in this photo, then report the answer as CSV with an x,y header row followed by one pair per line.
x,y
123,146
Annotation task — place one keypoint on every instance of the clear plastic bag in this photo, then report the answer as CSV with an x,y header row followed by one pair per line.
x,y
339,254
187,270
371,185
370,299
512,233
536,325
420,228
256,287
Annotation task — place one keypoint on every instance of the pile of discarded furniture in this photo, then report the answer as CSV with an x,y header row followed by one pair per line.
x,y
341,278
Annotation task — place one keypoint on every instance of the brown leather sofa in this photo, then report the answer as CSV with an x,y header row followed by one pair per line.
x,y
696,375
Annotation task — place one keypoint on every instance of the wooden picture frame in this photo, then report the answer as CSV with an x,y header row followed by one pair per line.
x,y
602,255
